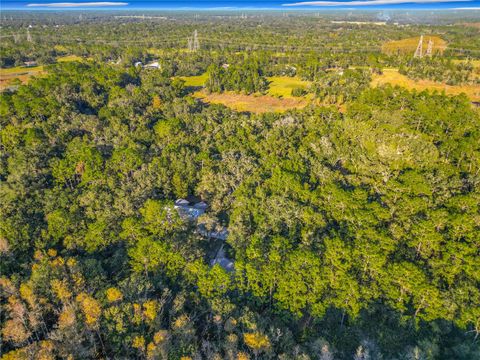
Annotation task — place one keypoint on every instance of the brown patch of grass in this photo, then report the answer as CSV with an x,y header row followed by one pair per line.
x,y
472,24
393,77
21,73
252,103
408,46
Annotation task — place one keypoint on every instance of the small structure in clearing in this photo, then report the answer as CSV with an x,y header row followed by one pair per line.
x,y
191,211
188,210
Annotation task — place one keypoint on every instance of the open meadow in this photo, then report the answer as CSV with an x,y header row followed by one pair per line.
x,y
24,73
393,77
254,103
408,46
278,97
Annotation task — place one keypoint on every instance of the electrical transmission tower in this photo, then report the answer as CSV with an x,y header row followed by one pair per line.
x,y
190,44
196,43
29,37
193,43
419,51
429,48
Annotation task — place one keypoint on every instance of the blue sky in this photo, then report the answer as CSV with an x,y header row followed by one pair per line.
x,y
467,5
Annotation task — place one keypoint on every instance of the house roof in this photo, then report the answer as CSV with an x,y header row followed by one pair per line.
x,y
189,210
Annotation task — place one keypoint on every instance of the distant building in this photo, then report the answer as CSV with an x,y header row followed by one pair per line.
x,y
225,66
138,64
30,63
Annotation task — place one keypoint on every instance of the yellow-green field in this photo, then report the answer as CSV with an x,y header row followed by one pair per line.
x,y
408,46
278,98
161,52
195,81
69,58
252,103
393,77
283,85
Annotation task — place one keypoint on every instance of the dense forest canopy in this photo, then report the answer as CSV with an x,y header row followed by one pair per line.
x,y
353,230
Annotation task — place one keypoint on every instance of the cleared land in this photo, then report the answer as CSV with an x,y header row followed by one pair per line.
x,y
18,72
472,24
408,46
278,98
283,85
69,58
195,81
252,103
25,73
393,77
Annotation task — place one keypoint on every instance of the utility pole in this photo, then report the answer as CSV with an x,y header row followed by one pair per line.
x,y
419,51
429,48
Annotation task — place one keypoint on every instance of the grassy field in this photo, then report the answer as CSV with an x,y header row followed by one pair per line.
x,y
25,73
69,58
408,46
278,99
161,52
280,86
195,81
252,103
475,63
283,85
393,77
18,72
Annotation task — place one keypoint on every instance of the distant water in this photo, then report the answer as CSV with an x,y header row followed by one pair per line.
x,y
225,5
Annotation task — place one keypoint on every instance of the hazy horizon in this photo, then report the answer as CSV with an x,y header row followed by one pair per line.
x,y
285,5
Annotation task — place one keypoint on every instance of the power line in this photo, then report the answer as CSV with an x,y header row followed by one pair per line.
x,y
419,50
176,39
